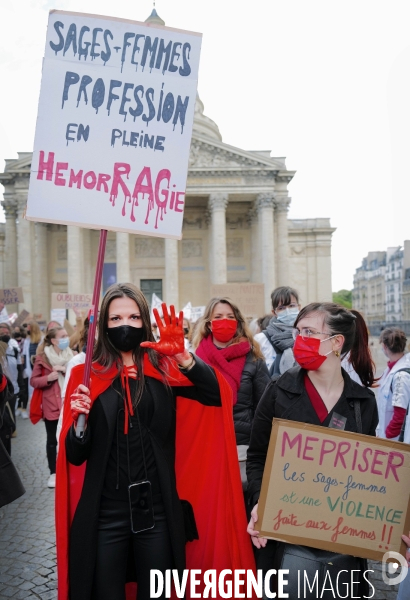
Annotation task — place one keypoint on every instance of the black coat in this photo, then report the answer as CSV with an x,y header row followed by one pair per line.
x,y
11,487
95,448
287,399
255,378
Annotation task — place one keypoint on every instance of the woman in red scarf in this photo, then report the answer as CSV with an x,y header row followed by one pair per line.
x,y
122,516
223,340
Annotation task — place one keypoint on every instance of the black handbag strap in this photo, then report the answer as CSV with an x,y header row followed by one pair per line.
x,y
358,416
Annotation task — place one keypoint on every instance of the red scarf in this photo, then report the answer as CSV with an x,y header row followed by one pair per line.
x,y
230,361
209,480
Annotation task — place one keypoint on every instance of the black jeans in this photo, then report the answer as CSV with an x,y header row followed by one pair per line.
x,y
152,550
51,444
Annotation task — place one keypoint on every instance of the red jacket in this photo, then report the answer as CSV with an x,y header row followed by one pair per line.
x,y
51,401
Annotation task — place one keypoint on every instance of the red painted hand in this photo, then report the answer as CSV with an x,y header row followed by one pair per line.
x,y
171,332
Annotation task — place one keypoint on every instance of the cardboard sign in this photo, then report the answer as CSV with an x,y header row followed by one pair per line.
x,y
21,318
74,301
248,296
11,296
339,491
114,125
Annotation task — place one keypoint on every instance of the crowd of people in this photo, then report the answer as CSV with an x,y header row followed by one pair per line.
x,y
171,409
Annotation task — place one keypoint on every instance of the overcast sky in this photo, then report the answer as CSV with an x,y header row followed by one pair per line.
x,y
324,83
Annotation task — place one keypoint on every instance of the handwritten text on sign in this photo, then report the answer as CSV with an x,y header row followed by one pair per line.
x,y
114,125
335,490
79,301
11,295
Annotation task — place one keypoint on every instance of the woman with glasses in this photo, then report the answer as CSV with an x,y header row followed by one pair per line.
x,y
312,393
276,341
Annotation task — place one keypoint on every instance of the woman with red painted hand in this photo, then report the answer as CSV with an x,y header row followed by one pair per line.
x,y
129,518
223,340
318,392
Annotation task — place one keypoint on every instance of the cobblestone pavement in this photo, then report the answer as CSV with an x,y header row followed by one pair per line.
x,y
27,542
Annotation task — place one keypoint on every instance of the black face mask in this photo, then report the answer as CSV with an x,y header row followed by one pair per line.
x,y
125,337
5,338
186,330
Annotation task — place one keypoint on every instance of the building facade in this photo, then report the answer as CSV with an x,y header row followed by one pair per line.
x,y
382,286
235,229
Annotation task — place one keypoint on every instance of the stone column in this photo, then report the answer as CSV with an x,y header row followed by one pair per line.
x,y
217,206
10,243
171,290
24,255
264,206
256,276
75,274
41,299
123,257
281,210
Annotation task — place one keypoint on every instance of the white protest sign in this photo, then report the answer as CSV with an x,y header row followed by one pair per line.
x,y
156,302
187,310
114,125
58,315
197,312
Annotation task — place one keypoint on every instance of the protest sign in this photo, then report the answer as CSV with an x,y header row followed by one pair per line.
x,y
248,296
58,315
114,125
335,490
73,301
197,312
11,295
22,318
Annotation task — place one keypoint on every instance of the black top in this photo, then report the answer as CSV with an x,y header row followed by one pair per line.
x,y
121,472
287,399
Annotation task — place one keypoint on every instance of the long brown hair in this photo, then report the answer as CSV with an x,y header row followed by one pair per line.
x,y
202,329
50,335
352,326
106,354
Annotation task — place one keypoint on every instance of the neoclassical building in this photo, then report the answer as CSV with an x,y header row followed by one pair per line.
x,y
236,229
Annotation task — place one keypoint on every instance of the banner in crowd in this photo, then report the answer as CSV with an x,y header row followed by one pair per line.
x,y
114,125
73,301
250,297
11,296
335,490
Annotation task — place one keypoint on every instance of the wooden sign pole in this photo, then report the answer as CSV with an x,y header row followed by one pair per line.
x,y
93,314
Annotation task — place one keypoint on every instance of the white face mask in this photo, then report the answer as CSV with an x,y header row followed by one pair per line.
x,y
288,316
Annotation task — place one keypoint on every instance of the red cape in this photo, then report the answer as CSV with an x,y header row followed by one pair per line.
x,y
207,473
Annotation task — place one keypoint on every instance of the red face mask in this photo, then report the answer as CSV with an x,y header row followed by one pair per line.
x,y
306,353
223,330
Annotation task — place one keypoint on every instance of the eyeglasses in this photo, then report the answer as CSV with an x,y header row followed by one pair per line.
x,y
283,307
306,332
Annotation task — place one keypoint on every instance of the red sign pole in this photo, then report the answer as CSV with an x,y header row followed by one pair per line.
x,y
93,314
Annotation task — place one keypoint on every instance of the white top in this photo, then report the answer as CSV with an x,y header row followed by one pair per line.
x,y
267,349
394,390
78,359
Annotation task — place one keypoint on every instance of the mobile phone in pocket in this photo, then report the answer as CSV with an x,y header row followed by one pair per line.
x,y
141,506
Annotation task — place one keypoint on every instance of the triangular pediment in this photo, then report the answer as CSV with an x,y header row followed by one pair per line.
x,y
207,153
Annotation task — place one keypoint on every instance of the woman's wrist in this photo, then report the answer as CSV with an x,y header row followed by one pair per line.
x,y
185,360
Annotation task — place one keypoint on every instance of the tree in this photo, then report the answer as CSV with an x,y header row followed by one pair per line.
x,y
343,297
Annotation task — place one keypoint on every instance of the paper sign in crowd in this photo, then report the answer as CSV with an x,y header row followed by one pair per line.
x,y
335,490
114,125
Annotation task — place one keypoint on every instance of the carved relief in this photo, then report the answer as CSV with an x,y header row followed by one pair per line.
x,y
111,251
191,248
204,155
61,249
237,222
193,221
298,250
234,247
149,247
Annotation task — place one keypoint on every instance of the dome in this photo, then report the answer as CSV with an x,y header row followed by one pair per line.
x,y
154,19
203,124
